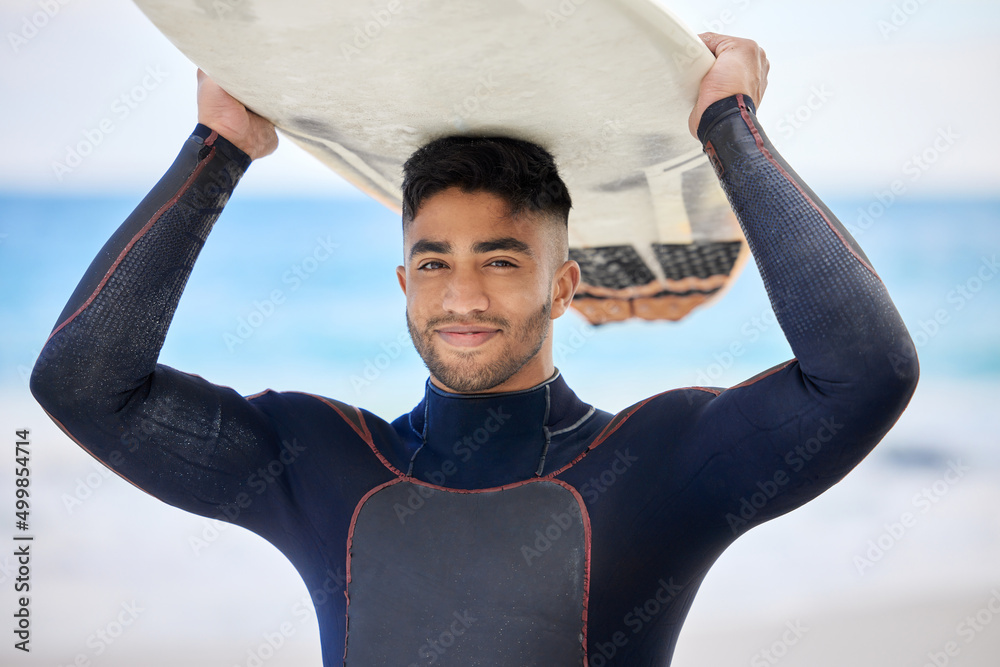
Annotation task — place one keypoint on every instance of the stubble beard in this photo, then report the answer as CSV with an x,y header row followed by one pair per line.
x,y
469,375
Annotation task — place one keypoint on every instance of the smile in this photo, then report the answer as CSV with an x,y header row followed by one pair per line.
x,y
466,336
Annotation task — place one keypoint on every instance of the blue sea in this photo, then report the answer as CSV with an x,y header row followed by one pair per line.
x,y
301,294
293,293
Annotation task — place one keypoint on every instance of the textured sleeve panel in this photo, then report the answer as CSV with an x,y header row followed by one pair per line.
x,y
184,440
807,422
833,308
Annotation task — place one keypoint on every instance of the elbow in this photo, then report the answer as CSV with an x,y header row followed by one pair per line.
x,y
53,382
44,382
903,369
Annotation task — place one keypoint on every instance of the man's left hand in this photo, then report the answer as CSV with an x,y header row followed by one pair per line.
x,y
740,67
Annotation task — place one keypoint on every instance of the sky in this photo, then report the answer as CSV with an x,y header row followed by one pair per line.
x,y
862,94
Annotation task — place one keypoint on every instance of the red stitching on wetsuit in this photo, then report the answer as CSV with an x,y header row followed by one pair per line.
x,y
97,458
363,432
770,158
350,541
761,376
585,515
141,232
605,434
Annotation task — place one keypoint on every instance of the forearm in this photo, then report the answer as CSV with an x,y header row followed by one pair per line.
x,y
832,306
109,335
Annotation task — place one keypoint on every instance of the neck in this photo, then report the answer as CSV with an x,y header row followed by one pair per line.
x,y
490,439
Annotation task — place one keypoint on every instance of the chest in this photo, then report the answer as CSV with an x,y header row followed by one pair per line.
x,y
442,576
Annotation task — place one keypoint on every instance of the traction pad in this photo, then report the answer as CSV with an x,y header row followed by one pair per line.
x,y
617,284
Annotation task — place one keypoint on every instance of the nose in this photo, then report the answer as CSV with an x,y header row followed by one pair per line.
x,y
465,293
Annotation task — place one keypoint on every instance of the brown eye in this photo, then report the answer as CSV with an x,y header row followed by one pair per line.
x,y
430,266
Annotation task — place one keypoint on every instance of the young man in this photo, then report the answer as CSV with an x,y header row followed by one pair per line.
x,y
481,528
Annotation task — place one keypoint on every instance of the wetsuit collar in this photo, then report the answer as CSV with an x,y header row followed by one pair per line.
x,y
482,440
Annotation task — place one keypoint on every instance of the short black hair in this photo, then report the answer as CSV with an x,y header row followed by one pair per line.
x,y
522,173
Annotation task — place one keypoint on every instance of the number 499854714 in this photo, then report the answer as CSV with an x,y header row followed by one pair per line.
x,y
22,457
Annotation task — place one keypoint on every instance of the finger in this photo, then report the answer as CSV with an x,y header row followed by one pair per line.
x,y
712,40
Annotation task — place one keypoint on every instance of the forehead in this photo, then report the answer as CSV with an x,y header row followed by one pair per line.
x,y
462,218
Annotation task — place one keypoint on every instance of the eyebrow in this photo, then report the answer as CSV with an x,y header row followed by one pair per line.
x,y
506,243
425,246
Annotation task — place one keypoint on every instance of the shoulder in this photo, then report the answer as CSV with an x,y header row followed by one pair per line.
x,y
674,404
296,410
671,412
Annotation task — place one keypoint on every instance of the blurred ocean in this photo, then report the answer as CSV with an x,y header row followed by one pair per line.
x,y
301,294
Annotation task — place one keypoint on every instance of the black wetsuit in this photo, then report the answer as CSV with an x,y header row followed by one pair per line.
x,y
523,528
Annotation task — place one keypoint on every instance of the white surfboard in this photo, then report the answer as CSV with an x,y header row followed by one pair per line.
x,y
605,85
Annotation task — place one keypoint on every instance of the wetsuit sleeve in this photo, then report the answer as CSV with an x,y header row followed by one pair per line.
x,y
184,440
781,438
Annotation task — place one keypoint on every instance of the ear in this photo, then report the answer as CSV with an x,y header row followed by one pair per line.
x,y
564,285
401,277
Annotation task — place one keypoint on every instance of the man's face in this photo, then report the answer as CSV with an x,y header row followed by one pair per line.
x,y
482,289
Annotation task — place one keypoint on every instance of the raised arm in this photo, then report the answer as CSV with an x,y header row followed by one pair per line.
x,y
189,442
781,438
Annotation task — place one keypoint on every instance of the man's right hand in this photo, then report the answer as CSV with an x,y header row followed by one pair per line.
x,y
217,109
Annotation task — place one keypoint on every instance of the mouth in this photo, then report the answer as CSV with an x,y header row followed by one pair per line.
x,y
466,335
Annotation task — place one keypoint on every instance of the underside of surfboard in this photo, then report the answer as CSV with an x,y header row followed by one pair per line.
x,y
605,85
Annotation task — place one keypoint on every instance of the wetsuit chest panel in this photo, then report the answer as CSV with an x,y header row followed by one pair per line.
x,y
468,578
